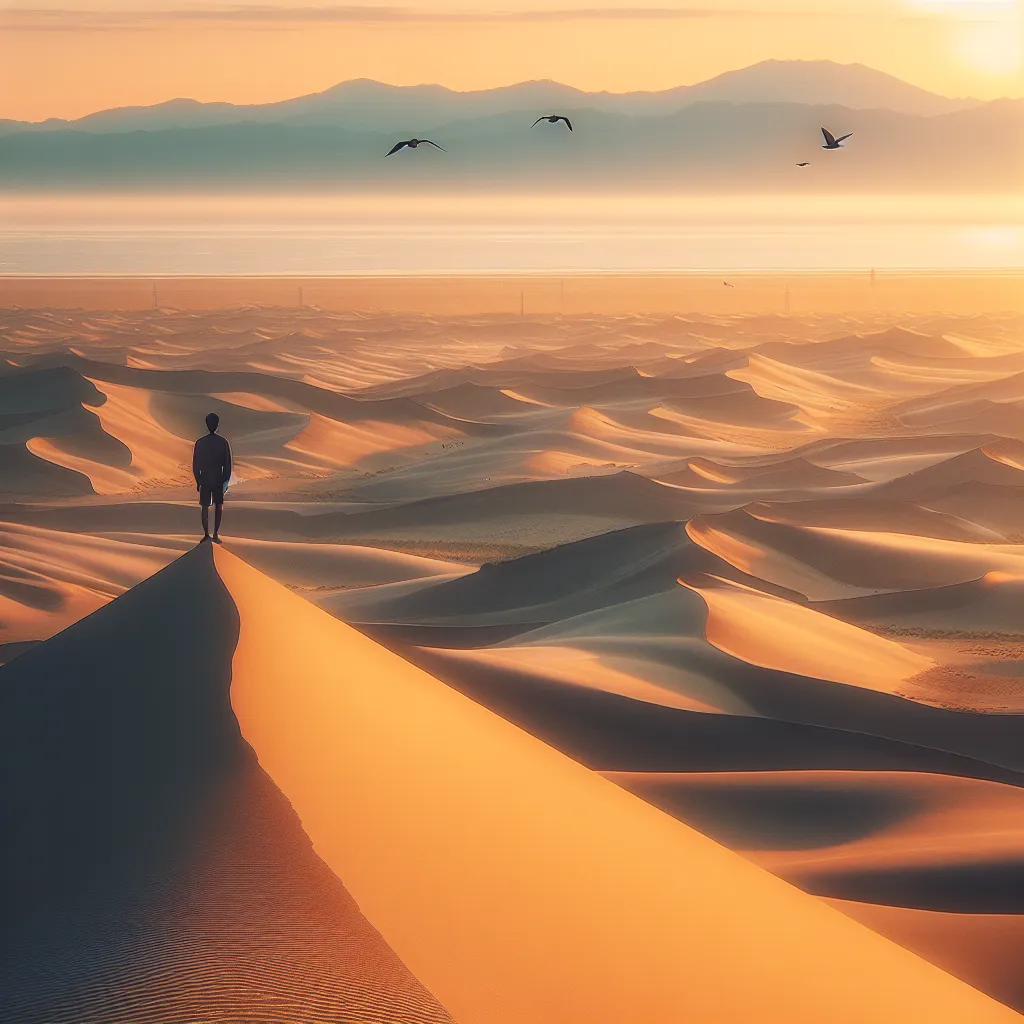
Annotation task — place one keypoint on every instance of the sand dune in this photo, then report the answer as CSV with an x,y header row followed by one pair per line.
x,y
786,475
1006,388
995,507
971,629
874,515
488,957
505,506
647,648
626,676
991,604
562,582
658,640
624,496
31,392
826,563
611,732
472,401
992,465
969,830
158,457
887,458
50,579
844,821
914,841
983,949
55,569
947,840
813,392
24,474
766,630
319,567
657,431
908,341
325,442
150,917
49,417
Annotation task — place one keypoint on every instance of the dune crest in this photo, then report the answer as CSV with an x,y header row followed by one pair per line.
x,y
767,631
157,455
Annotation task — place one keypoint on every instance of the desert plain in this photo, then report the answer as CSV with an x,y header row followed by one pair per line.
x,y
557,666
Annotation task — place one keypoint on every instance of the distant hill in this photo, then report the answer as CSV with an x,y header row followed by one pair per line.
x,y
365,105
707,146
825,83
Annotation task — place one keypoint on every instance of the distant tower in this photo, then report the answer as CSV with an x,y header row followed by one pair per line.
x,y
156,300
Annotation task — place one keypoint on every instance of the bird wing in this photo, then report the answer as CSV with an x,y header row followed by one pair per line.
x,y
434,144
538,121
830,139
568,123
396,147
843,138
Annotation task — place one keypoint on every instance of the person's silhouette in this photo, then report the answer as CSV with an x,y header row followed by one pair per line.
x,y
211,466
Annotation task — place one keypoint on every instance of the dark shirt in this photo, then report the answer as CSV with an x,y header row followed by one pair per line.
x,y
211,461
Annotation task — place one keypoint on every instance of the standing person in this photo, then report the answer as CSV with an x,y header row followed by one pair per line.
x,y
211,466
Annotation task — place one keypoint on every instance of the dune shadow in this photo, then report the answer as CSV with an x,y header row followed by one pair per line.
x,y
14,649
779,817
107,734
609,732
973,888
150,868
32,594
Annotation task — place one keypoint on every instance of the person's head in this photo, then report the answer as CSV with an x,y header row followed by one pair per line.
x,y
212,422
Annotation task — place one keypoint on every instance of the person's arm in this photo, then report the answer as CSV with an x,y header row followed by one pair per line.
x,y
227,461
195,464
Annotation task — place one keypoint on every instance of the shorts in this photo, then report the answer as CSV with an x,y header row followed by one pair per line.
x,y
208,492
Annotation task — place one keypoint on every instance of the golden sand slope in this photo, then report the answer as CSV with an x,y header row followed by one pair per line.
x,y
768,631
52,578
521,887
157,455
984,949
574,666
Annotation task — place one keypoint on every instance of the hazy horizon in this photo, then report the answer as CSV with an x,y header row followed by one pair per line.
x,y
424,234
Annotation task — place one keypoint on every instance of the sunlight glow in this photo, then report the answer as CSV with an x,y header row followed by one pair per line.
x,y
987,35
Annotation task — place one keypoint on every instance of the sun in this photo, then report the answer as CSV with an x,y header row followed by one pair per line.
x,y
994,48
985,35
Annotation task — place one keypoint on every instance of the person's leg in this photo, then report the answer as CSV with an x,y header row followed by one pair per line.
x,y
204,501
218,511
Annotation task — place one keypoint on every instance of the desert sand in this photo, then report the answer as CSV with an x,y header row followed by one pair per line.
x,y
560,667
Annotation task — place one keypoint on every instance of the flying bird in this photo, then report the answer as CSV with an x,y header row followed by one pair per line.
x,y
831,142
554,119
805,163
412,144
727,285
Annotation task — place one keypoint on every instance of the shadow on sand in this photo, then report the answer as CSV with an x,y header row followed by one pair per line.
x,y
151,870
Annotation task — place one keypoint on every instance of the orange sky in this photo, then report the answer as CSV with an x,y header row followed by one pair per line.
x,y
92,54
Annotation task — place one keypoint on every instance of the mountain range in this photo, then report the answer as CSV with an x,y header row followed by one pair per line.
x,y
373,106
741,128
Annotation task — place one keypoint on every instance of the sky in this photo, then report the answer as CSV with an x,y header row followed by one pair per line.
x,y
66,58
